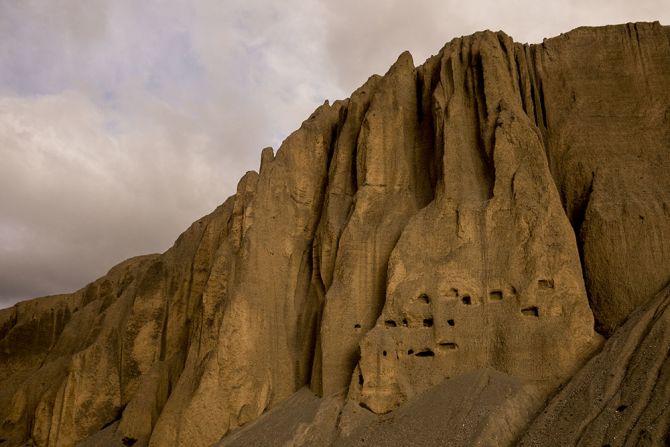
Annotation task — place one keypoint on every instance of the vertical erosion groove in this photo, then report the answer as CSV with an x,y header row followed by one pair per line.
x,y
317,284
419,91
485,130
394,155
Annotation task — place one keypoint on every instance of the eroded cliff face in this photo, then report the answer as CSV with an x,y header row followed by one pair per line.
x,y
485,210
621,396
472,281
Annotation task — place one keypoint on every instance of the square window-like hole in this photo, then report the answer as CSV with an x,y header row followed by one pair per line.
x,y
466,299
496,295
545,284
531,311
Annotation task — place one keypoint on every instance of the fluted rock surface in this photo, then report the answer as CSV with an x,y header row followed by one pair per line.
x,y
472,281
483,211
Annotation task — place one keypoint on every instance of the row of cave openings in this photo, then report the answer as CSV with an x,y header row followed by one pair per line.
x,y
495,295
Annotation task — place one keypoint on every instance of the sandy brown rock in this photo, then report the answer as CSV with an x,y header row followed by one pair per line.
x,y
390,191
605,112
621,397
472,281
37,383
117,330
257,349
448,218
337,206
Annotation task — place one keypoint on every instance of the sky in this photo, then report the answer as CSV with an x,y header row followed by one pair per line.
x,y
121,122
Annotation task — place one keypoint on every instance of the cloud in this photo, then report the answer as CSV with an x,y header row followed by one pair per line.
x,y
78,195
122,121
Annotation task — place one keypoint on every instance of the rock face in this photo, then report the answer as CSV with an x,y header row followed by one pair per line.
x,y
471,219
606,120
472,281
621,396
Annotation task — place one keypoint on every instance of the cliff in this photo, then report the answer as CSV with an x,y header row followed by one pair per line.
x,y
498,216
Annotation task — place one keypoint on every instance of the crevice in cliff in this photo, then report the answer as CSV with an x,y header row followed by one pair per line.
x,y
317,287
119,414
542,106
308,324
189,292
9,324
484,132
533,98
335,132
520,79
121,356
577,217
425,89
577,213
418,91
166,311
539,110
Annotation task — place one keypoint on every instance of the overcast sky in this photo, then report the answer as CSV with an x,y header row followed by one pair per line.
x,y
122,121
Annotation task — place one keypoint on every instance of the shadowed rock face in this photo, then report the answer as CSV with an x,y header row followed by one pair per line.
x,y
485,210
621,396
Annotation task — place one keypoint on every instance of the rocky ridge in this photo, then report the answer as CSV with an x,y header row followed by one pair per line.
x,y
473,219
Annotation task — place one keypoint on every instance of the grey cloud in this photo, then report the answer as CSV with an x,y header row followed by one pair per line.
x,y
76,198
116,131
